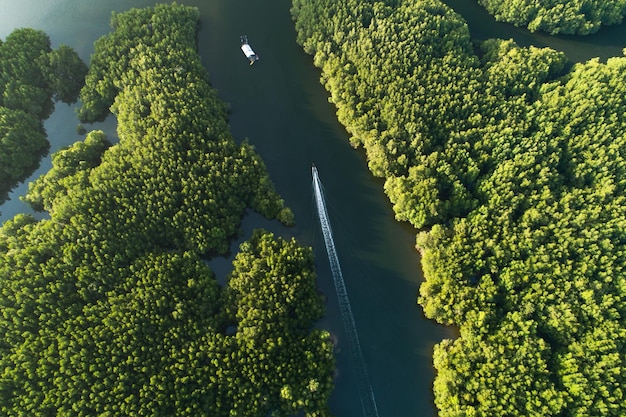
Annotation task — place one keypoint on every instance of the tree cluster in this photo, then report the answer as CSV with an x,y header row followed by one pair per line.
x,y
579,17
31,75
109,306
513,169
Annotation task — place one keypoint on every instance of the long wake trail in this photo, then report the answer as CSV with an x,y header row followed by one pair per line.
x,y
368,401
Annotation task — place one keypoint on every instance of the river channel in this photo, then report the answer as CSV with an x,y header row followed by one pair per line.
x,y
279,105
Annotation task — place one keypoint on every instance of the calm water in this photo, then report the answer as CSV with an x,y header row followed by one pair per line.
x,y
280,106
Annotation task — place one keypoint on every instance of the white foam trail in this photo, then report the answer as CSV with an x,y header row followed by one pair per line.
x,y
368,401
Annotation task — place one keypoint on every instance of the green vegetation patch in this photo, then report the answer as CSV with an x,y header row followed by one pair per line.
x,y
109,307
513,171
31,75
580,17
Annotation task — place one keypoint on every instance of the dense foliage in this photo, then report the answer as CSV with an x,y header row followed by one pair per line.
x,y
514,171
109,306
580,17
31,75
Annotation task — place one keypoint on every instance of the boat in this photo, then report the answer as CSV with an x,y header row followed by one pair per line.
x,y
247,50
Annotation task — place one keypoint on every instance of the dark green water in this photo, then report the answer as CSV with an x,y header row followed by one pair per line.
x,y
280,106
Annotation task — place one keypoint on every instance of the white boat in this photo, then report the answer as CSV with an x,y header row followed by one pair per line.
x,y
247,50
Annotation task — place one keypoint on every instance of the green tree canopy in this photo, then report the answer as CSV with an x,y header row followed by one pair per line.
x,y
31,74
109,306
580,17
64,72
22,143
512,170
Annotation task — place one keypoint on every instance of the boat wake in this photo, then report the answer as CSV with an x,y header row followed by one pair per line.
x,y
368,401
